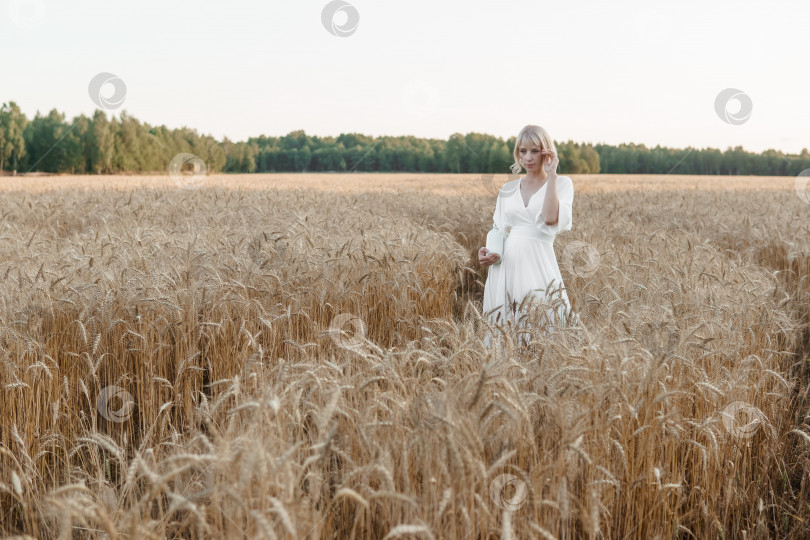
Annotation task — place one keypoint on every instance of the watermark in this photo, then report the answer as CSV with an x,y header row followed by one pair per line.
x,y
658,336
429,411
332,14
800,185
187,170
508,492
493,186
356,164
27,14
721,106
104,404
197,482
32,316
586,264
257,253
679,161
755,417
342,339
420,98
99,83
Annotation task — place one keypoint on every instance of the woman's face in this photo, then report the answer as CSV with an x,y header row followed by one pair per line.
x,y
530,158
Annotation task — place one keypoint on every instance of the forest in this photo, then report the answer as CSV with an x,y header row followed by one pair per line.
x,y
111,145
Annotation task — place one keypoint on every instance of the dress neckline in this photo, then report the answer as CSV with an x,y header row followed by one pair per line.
x,y
520,184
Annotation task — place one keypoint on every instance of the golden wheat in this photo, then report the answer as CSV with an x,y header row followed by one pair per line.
x,y
301,356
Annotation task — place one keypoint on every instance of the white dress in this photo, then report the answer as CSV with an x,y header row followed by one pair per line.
x,y
528,266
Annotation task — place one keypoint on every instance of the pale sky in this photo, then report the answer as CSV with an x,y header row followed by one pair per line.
x,y
591,71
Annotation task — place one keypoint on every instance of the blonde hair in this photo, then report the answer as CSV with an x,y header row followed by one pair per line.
x,y
529,137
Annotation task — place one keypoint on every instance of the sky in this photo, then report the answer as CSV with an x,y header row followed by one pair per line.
x,y
691,73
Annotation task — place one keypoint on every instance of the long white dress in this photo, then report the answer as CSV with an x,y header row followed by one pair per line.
x,y
528,266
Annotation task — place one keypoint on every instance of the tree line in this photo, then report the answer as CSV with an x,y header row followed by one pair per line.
x,y
102,145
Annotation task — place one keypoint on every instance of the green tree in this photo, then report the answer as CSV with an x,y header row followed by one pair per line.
x,y
455,153
50,144
12,138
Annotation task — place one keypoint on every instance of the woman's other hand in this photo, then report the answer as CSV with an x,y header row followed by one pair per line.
x,y
486,259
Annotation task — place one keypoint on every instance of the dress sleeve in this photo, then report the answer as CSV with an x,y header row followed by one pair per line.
x,y
565,196
497,216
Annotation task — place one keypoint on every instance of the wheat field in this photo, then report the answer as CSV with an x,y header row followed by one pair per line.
x,y
301,356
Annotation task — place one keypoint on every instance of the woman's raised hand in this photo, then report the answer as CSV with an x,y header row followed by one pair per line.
x,y
487,259
550,162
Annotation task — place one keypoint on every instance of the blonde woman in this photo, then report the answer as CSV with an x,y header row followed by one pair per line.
x,y
530,211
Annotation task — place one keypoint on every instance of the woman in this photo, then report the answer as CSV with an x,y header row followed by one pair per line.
x,y
530,211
